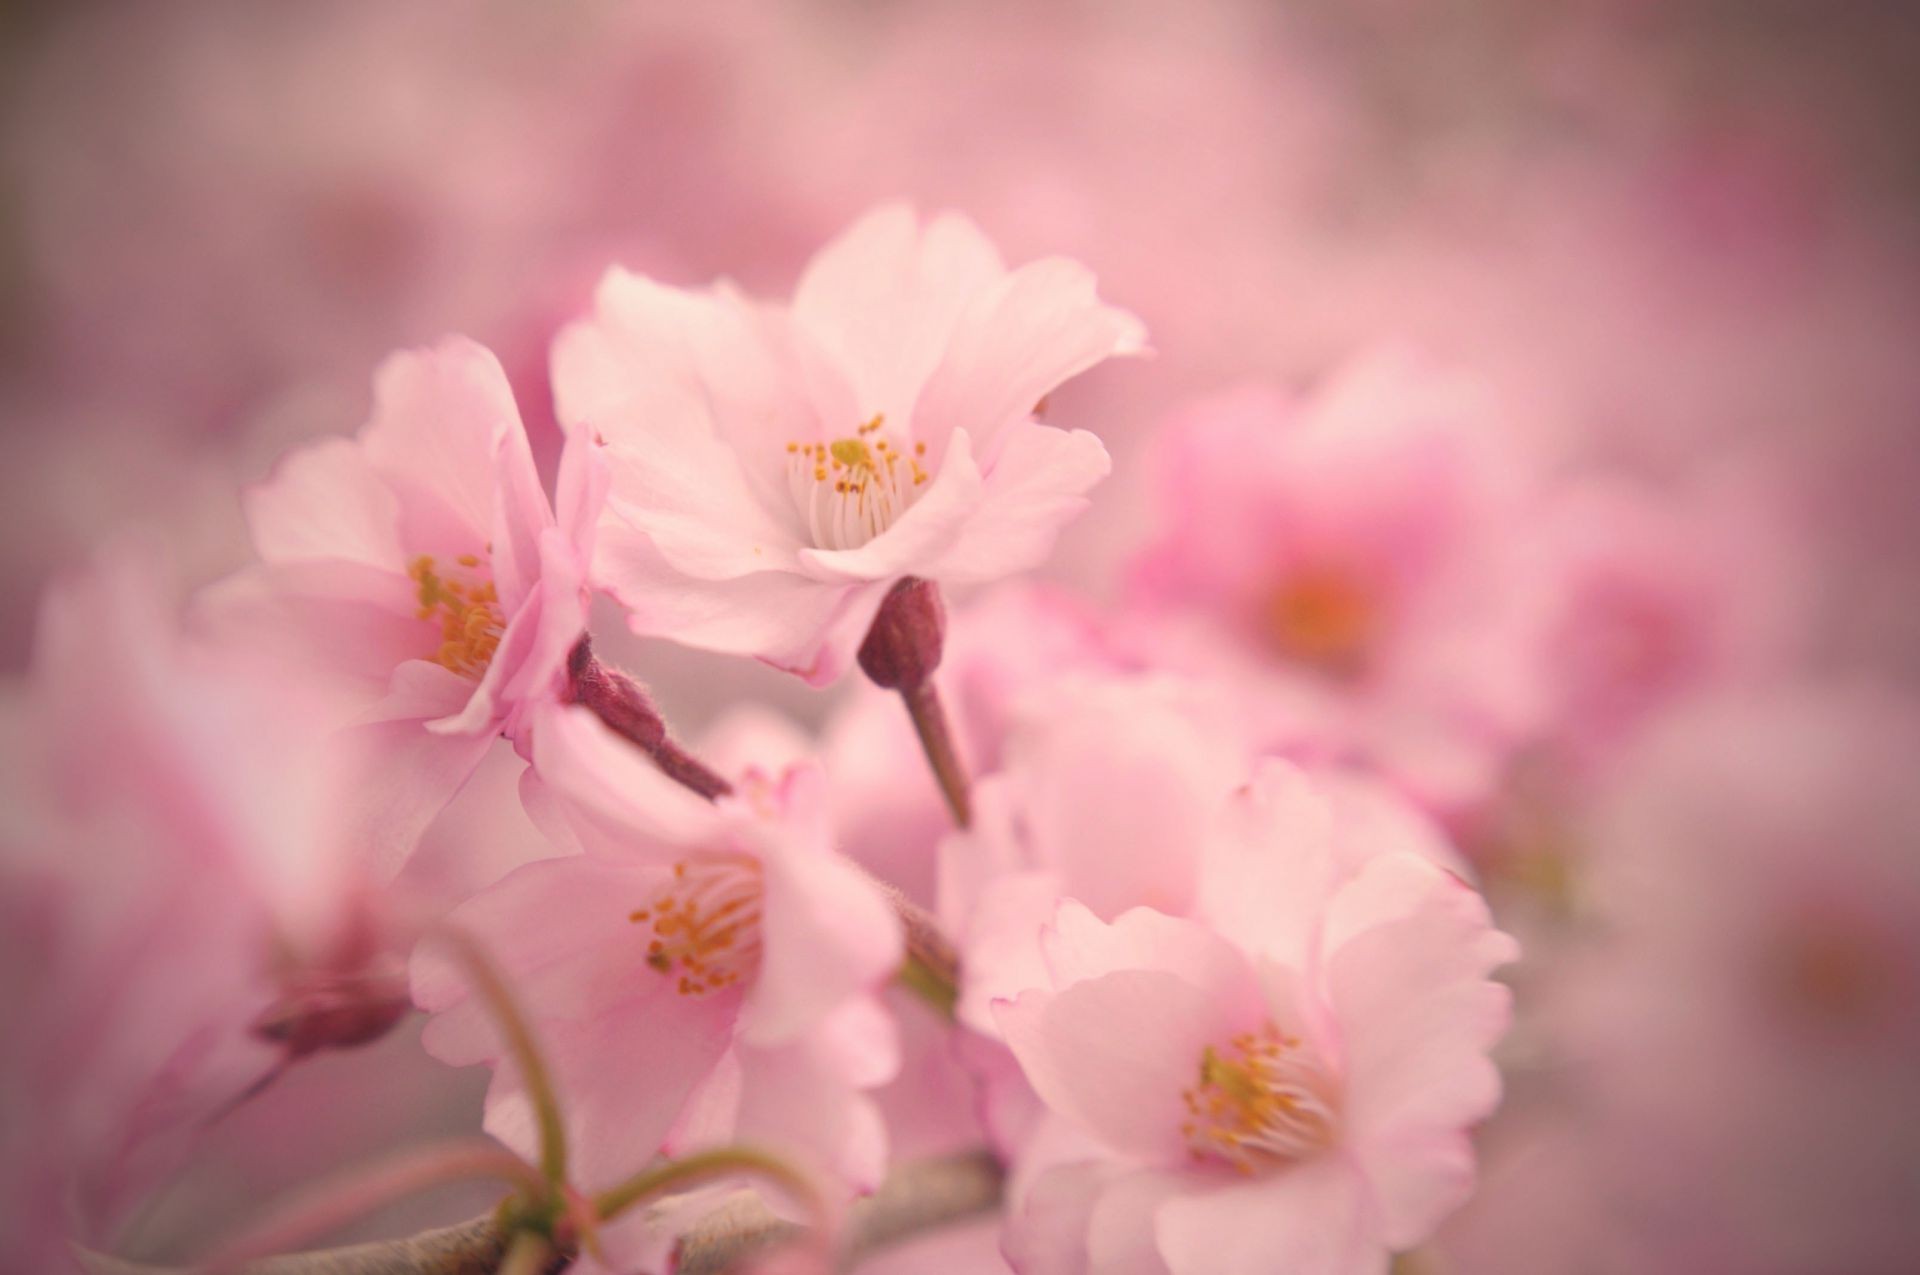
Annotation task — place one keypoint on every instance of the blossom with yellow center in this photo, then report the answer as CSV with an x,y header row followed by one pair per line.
x,y
852,489
706,923
1261,1102
1323,617
468,612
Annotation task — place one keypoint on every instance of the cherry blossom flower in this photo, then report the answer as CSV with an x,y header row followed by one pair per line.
x,y
776,470
699,973
1747,1034
1122,793
418,573
1284,1085
1353,559
183,915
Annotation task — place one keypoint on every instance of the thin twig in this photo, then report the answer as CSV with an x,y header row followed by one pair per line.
x,y
331,1204
702,1167
915,1198
936,740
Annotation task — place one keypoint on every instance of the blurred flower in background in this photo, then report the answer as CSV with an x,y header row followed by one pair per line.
x,y
1533,421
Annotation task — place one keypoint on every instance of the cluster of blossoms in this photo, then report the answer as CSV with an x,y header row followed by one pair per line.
x,y
1179,920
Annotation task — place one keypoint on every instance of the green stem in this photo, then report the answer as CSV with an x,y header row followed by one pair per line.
x,y
513,1024
526,1255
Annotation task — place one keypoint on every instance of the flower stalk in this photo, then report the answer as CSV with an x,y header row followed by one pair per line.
x,y
619,702
518,1032
901,651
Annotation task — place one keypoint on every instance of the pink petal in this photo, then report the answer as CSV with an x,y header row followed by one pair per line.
x,y
404,776
1408,982
883,300
1035,488
1116,1053
325,502
1020,338
1047,1230
346,625
442,425
791,622
800,1100
559,929
683,486
1269,865
1311,1218
1117,782
1002,956
829,934
626,1049
1078,946
624,1075
1120,1229
617,800
651,351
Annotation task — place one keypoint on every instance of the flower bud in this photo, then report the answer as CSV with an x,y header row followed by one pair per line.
x,y
336,1010
903,647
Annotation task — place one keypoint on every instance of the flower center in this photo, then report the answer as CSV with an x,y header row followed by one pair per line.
x,y
1262,1101
1323,617
706,923
468,611
852,489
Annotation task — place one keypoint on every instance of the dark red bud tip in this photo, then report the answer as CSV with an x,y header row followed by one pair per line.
x,y
903,647
338,1011
615,698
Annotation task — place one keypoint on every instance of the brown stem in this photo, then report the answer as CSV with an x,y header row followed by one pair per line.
x,y
936,740
915,1198
932,967
681,766
620,703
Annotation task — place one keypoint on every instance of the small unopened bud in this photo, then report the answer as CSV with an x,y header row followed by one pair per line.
x,y
615,699
336,1011
903,647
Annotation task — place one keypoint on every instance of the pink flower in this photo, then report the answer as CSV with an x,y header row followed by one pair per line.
x,y
1284,1085
1746,1038
1122,793
775,470
180,915
702,973
1654,599
418,573
1354,559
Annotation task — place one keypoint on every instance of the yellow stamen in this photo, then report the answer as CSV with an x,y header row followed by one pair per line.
x,y
469,615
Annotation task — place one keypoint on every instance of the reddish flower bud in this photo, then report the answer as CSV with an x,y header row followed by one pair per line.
x,y
903,647
336,1011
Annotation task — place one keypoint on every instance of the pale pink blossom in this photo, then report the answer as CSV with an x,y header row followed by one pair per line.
x,y
1655,597
1285,1086
700,973
776,469
1746,1031
1125,792
182,915
1353,559
417,573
